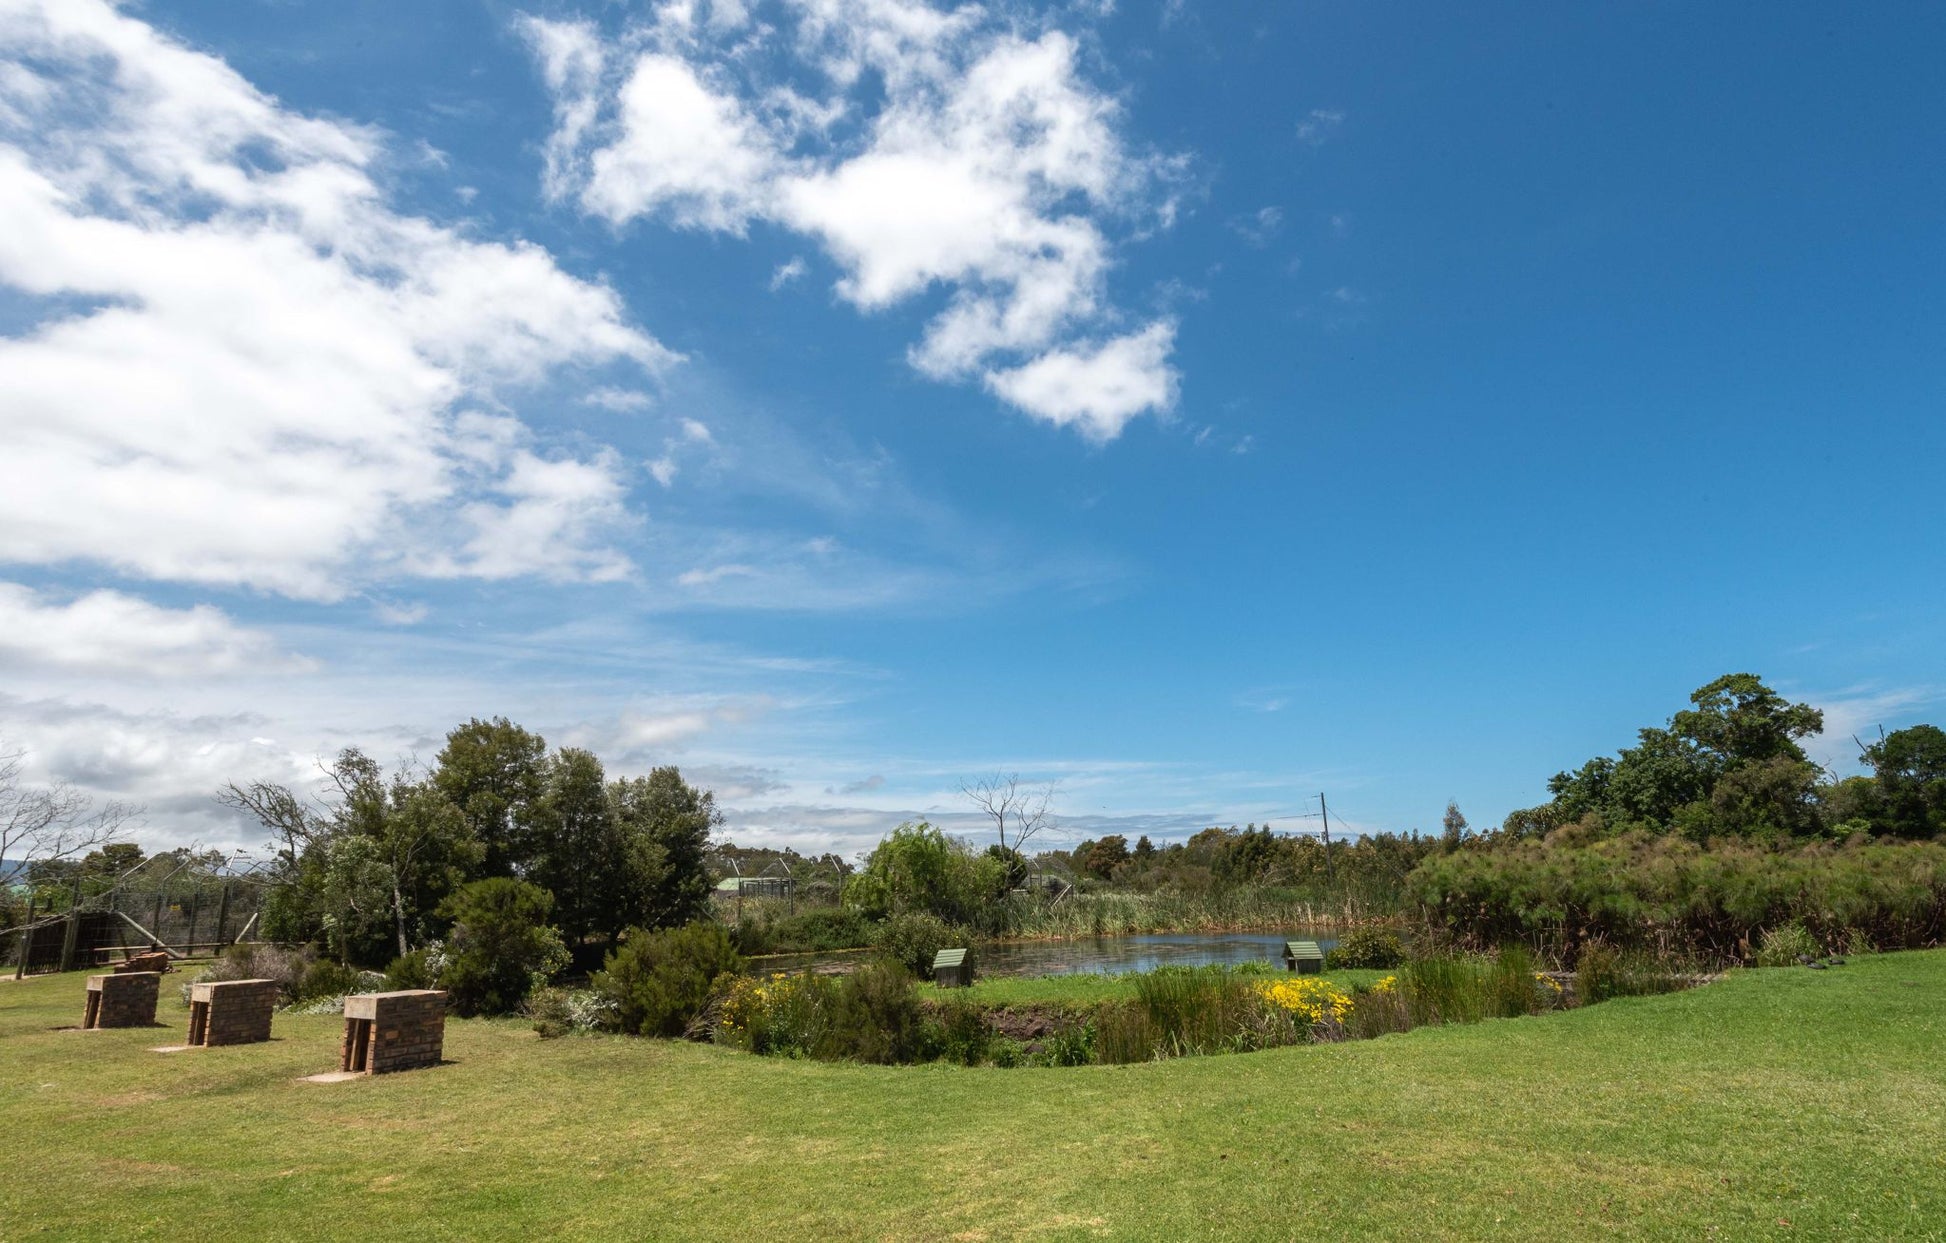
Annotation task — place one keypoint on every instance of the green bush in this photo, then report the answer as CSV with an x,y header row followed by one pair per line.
x,y
1707,902
559,1012
414,970
501,947
325,979
1603,972
658,983
878,1017
914,938
1367,948
1072,1045
1782,947
963,1034
814,931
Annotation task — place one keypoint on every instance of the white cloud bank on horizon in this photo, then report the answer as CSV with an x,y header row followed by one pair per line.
x,y
249,369
934,148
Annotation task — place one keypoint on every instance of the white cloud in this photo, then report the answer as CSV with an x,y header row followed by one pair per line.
x,y
1260,226
1856,715
714,574
1096,388
266,380
110,632
1319,125
619,400
938,151
788,272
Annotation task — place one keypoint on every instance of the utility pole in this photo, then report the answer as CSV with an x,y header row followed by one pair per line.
x,y
1329,876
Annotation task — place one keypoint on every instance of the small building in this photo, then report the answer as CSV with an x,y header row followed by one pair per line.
x,y
1303,957
952,968
122,1000
230,1012
385,1032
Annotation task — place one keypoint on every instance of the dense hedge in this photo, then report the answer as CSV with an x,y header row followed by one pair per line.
x,y
1673,896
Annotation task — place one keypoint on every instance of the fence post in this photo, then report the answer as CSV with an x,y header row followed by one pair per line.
x,y
26,936
155,925
189,938
74,927
223,914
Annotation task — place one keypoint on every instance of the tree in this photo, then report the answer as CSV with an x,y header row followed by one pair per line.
x,y
1738,720
51,823
413,843
1452,826
494,772
1023,812
580,851
665,825
501,947
1909,766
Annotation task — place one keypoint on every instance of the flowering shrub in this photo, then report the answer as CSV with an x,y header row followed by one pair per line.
x,y
1311,1000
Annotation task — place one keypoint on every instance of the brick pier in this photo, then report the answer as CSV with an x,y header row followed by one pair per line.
x,y
230,1011
393,1031
123,1000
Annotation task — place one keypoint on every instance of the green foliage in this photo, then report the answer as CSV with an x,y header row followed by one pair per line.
x,y
812,931
1909,768
494,772
1671,895
324,979
1728,765
413,970
659,982
1784,946
579,851
665,823
501,946
1603,972
919,870
913,939
1367,947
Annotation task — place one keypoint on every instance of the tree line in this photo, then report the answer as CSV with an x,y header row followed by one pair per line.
x,y
379,866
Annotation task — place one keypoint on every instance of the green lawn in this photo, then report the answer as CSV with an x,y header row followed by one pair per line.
x,y
1775,1104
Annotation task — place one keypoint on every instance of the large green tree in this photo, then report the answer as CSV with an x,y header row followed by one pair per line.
x,y
580,851
495,772
1909,766
665,825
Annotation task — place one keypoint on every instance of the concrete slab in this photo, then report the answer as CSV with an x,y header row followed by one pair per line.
x,y
335,1076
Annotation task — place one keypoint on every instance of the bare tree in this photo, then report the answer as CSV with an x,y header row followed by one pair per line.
x,y
49,823
1016,810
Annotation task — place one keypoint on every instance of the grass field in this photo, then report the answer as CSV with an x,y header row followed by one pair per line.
x,y
1775,1104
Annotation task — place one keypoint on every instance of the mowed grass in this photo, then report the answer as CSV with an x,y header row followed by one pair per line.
x,y
1775,1104
1081,989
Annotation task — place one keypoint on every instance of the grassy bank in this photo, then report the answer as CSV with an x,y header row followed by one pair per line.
x,y
1081,989
1816,1099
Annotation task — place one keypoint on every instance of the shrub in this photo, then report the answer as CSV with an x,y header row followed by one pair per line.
x,y
659,982
501,948
914,938
563,1011
878,1016
1073,1045
419,969
1603,972
1782,947
1367,948
264,962
324,980
814,931
963,1035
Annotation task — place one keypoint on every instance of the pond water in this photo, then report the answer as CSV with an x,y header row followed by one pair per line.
x,y
1097,955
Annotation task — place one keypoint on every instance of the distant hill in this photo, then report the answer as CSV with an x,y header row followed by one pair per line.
x,y
10,868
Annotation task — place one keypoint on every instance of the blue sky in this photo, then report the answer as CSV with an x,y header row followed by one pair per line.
x,y
1198,405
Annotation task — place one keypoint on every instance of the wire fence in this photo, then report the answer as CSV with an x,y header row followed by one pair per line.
x,y
183,906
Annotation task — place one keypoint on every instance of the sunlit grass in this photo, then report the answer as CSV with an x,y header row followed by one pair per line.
x,y
1813,1098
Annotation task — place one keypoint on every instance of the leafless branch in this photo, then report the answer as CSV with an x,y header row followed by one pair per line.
x,y
1016,811
50,823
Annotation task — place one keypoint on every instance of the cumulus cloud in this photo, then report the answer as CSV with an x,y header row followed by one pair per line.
x,y
110,632
1097,388
252,370
926,150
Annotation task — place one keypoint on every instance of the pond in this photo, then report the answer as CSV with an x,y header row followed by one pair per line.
x,y
1096,955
